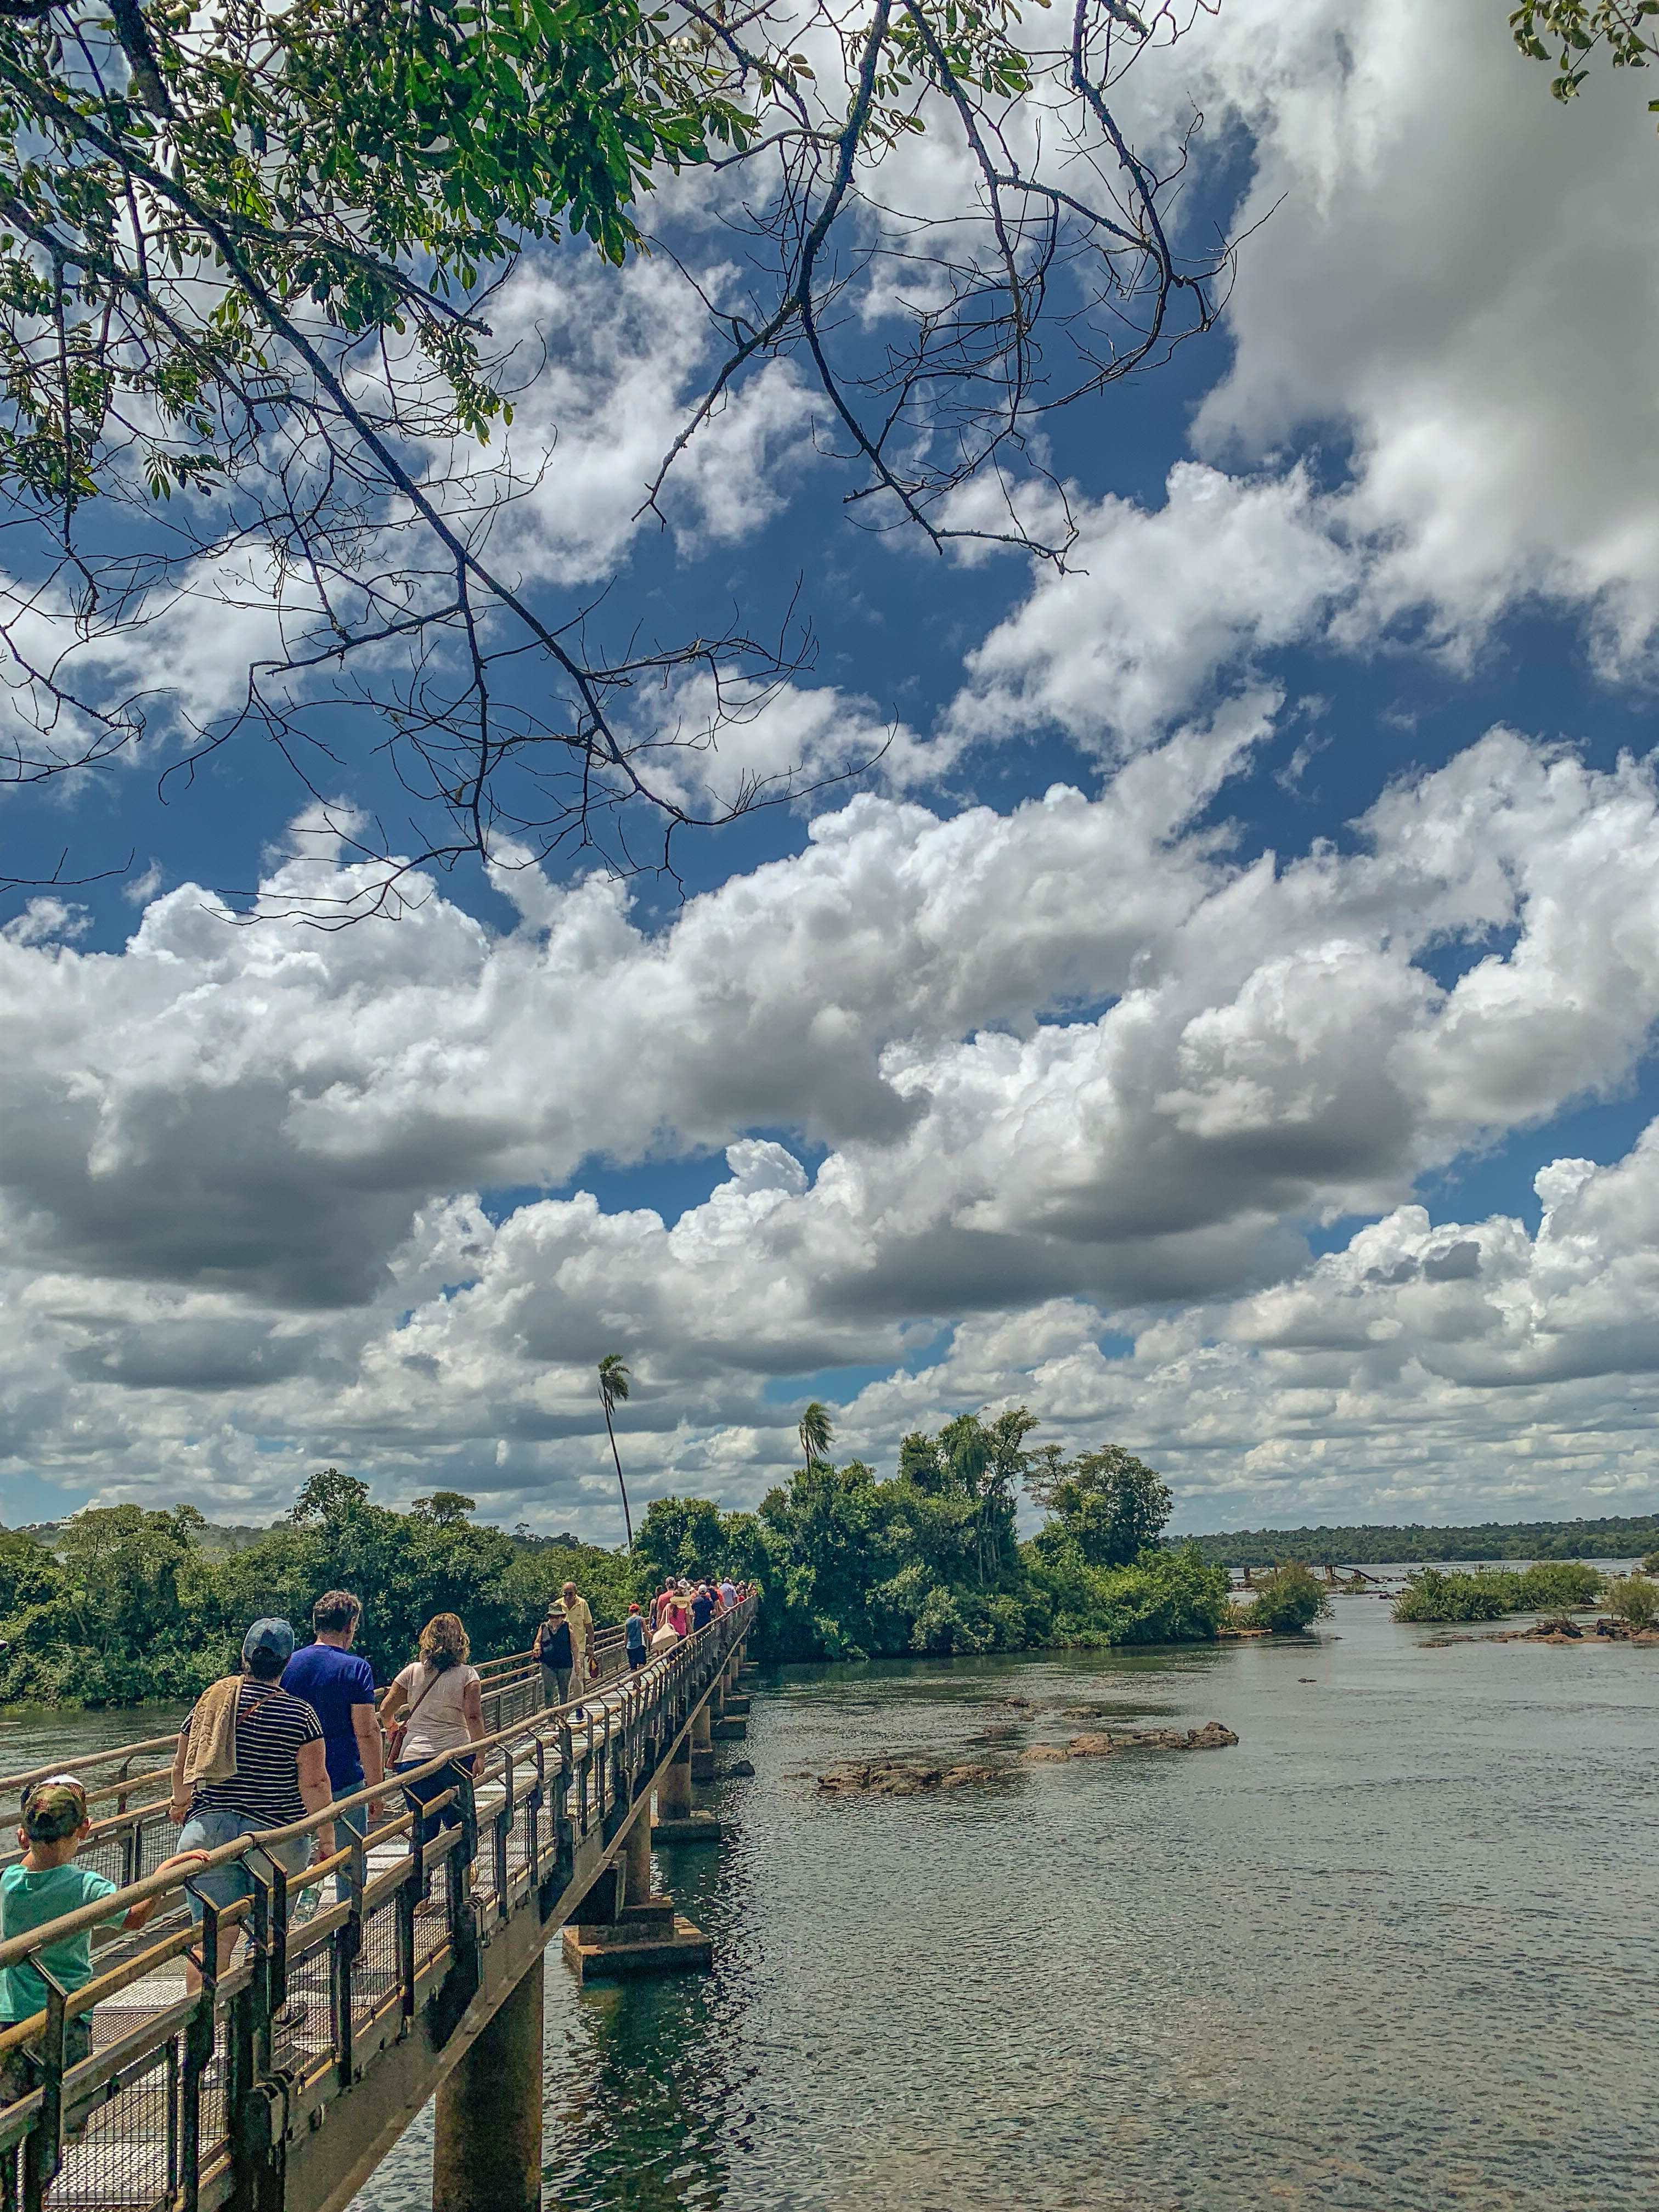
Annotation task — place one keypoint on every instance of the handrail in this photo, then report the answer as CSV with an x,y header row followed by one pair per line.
x,y
489,1671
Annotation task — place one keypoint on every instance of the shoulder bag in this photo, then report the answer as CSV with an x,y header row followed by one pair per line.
x,y
399,1729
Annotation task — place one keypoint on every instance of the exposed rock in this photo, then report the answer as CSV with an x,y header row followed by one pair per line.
x,y
743,1768
1212,1736
902,1777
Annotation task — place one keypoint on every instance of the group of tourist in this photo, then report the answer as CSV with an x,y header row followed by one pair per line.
x,y
294,1733
682,1608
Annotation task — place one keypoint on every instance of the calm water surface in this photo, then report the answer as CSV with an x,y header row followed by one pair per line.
x,y
1393,1950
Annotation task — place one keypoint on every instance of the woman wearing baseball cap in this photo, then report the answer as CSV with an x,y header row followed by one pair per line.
x,y
250,1757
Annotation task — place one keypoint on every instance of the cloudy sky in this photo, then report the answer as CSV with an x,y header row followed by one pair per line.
x,y
1221,1021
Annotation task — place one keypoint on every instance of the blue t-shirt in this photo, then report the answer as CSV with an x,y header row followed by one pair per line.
x,y
636,1634
702,1609
332,1682
29,1900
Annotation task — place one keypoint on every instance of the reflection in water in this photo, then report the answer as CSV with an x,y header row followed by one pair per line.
x,y
1394,1954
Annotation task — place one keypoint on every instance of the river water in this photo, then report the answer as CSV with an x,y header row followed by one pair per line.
x,y
1395,1950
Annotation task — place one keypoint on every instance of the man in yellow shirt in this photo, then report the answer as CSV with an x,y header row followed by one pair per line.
x,y
577,1612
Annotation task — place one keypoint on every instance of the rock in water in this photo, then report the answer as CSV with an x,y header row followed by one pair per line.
x,y
1212,1736
902,1777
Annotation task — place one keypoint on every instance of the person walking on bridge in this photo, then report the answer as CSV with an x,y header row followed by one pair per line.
x,y
440,1692
250,1757
339,1687
580,1614
553,1654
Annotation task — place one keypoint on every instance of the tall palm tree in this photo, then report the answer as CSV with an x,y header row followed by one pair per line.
x,y
816,1434
613,1392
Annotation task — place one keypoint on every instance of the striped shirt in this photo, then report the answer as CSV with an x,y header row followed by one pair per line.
x,y
271,1728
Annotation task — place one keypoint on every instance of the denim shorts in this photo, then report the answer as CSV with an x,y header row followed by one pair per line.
x,y
211,1826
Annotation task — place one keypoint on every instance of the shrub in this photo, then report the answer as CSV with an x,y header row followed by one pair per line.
x,y
1634,1599
1485,1594
1288,1597
1650,1564
1557,1586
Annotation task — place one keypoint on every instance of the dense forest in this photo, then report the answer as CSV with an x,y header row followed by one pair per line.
x,y
1371,1546
119,1604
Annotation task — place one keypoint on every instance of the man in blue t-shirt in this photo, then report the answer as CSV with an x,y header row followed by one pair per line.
x,y
702,1609
339,1687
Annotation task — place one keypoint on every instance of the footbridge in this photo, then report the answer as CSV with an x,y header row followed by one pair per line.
x,y
282,2082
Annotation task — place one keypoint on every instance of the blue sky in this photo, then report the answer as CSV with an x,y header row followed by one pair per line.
x,y
1223,1021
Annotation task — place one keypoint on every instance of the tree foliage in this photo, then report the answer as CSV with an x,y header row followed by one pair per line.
x,y
1489,1593
1568,35
131,1605
128,1605
1289,1598
261,346
1110,1504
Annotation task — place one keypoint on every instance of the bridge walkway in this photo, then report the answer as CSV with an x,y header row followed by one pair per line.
x,y
279,2088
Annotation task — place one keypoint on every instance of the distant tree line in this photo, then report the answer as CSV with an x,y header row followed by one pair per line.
x,y
1375,1545
123,1605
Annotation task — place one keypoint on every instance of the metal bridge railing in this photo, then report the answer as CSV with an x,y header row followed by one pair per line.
x,y
177,2103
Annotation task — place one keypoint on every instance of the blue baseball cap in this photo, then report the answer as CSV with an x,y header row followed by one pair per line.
x,y
273,1640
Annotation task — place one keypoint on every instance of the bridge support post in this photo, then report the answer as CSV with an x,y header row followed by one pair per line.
x,y
702,1746
674,1788
639,1858
487,2153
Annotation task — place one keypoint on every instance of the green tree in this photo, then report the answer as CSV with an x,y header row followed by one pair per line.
x,y
446,1509
679,1536
816,1434
613,1392
1289,1598
1108,1503
1622,31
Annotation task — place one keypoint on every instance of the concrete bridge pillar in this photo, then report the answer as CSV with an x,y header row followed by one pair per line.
x,y
639,1857
674,1788
487,2153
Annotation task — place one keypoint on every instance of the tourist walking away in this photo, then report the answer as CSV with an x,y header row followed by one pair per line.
x,y
728,1592
339,1687
250,1757
633,1632
667,1636
662,1604
439,1699
581,1640
702,1609
44,1886
553,1654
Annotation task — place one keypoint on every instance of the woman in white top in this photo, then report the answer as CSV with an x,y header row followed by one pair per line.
x,y
439,1693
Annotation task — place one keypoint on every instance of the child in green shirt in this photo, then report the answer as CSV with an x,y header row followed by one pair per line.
x,y
45,1886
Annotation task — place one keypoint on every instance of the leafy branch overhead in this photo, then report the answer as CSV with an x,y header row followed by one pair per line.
x,y
261,346
1622,31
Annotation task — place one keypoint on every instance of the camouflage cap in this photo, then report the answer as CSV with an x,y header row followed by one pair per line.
x,y
53,1808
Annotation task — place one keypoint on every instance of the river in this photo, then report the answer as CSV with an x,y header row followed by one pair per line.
x,y
1393,1950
